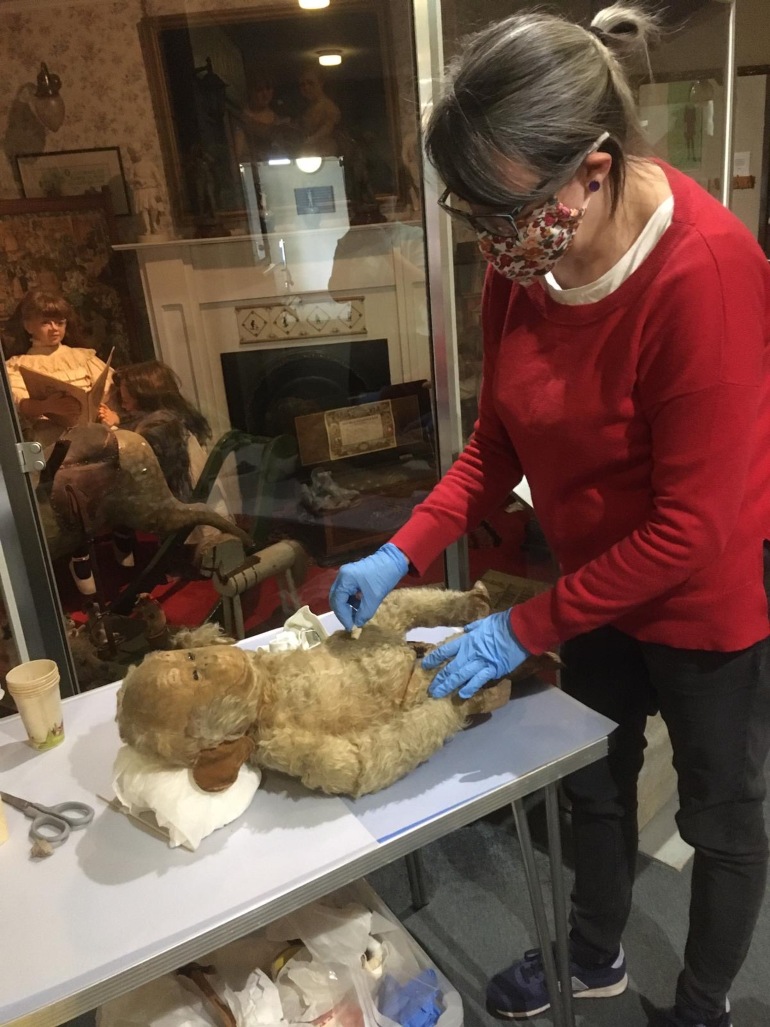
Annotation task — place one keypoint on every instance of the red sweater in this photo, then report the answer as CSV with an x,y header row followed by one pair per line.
x,y
642,423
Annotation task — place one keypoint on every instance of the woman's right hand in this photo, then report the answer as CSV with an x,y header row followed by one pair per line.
x,y
360,587
108,416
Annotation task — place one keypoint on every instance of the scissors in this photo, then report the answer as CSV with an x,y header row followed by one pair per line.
x,y
52,824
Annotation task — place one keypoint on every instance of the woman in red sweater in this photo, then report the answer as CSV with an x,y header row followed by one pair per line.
x,y
626,321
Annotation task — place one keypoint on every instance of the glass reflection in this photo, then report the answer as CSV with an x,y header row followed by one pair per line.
x,y
270,411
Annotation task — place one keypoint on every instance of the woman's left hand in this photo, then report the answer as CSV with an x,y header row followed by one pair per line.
x,y
485,652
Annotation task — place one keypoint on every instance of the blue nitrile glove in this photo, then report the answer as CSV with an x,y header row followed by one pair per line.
x,y
360,587
487,651
418,1003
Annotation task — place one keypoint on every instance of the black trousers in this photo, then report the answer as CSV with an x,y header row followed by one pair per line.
x,y
717,710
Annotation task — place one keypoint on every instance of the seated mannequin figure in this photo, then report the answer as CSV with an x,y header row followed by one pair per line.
x,y
43,320
349,716
149,402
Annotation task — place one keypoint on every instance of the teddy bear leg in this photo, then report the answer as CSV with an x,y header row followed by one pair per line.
x,y
328,763
407,608
396,748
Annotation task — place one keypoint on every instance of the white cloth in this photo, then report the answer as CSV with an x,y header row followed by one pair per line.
x,y
182,808
625,267
303,630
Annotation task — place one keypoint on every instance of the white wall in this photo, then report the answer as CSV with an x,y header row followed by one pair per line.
x,y
750,99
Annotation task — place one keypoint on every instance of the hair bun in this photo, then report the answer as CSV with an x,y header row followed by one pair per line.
x,y
628,30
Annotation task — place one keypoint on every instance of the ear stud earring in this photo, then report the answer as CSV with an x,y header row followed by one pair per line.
x,y
594,186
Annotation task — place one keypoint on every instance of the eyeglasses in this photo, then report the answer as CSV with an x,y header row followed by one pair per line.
x,y
506,223
496,224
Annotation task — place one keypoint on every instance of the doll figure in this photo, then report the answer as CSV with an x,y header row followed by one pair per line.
x,y
150,403
44,319
261,132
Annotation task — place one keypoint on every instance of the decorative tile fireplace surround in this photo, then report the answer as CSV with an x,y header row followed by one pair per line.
x,y
196,290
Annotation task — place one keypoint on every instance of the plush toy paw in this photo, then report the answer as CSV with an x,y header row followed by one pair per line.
x,y
536,665
490,697
479,604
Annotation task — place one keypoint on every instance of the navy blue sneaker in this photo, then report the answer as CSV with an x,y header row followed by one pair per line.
x,y
521,991
678,1018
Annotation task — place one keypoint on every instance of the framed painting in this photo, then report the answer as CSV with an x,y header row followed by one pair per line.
x,y
60,173
246,86
65,246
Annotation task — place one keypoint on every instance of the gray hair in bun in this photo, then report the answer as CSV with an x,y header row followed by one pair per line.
x,y
539,90
629,32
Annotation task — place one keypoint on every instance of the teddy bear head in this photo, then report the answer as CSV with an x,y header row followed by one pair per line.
x,y
193,708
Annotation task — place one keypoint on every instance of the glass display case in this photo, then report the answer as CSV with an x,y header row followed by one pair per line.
x,y
234,210
269,409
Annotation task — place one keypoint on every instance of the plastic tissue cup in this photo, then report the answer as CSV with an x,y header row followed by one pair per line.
x,y
34,687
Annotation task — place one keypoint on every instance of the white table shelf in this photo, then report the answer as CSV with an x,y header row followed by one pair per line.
x,y
115,906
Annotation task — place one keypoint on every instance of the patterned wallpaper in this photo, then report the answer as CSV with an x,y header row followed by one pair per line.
x,y
94,48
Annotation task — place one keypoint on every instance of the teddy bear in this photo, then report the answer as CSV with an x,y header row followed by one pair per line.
x,y
349,716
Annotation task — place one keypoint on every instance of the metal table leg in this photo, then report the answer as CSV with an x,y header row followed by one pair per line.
x,y
559,899
561,1017
413,862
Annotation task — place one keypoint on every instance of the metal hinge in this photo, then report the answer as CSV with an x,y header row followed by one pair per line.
x,y
31,456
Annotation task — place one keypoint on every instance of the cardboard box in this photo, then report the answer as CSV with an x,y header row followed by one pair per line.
x,y
506,590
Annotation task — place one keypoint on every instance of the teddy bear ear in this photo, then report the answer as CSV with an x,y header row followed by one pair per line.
x,y
216,769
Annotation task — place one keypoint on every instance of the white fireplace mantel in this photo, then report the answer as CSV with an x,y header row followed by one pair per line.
x,y
193,287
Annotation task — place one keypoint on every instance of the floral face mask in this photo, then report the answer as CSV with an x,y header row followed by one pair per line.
x,y
538,244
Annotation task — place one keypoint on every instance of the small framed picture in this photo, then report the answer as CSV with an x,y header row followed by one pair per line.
x,y
61,173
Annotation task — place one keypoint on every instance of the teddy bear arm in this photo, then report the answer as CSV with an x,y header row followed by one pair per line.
x,y
407,608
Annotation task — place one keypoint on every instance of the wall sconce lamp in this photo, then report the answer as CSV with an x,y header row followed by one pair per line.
x,y
329,58
313,5
46,101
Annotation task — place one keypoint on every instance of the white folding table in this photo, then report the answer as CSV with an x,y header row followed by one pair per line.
x,y
115,907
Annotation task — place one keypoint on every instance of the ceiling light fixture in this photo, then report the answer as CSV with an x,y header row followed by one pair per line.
x,y
329,58
309,164
313,5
